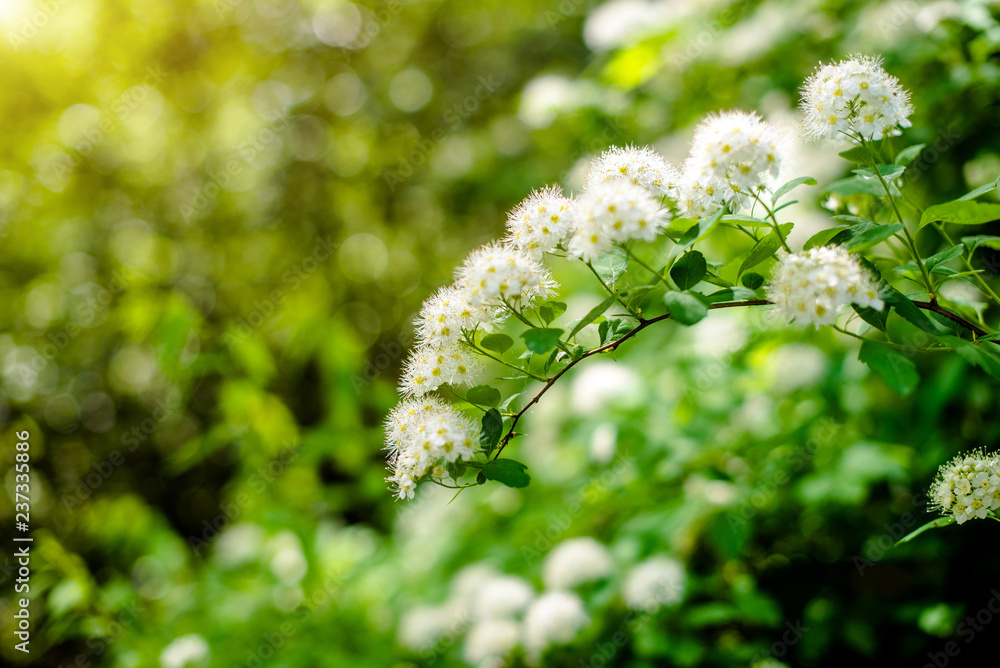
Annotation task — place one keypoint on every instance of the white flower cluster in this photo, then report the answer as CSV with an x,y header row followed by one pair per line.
x,y
734,156
968,486
540,223
496,274
639,166
506,617
421,436
614,211
810,287
185,651
855,96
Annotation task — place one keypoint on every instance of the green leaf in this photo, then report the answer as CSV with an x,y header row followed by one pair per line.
x,y
856,185
981,190
908,310
898,372
746,221
507,471
498,343
979,355
592,315
551,310
540,340
766,247
888,172
685,307
492,430
733,294
876,319
611,265
858,154
961,212
752,280
794,183
981,240
873,235
909,154
698,231
934,524
943,257
689,269
824,237
484,395
854,220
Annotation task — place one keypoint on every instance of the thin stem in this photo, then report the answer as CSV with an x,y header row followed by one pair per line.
x,y
889,343
954,317
504,362
666,281
609,290
774,221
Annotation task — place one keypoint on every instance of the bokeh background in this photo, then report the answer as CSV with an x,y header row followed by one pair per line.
x,y
218,219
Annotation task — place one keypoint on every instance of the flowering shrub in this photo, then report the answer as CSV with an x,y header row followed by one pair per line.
x,y
636,226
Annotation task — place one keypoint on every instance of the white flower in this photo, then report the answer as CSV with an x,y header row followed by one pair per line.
x,y
968,486
810,287
502,597
189,650
854,96
576,561
446,313
491,641
495,273
429,367
239,544
540,222
615,211
733,155
421,435
638,166
555,618
424,625
288,563
655,583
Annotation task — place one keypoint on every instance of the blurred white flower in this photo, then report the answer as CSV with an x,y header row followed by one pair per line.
x,y
423,626
239,544
189,650
576,561
288,563
555,618
604,443
796,365
600,384
545,97
620,22
502,597
654,583
490,642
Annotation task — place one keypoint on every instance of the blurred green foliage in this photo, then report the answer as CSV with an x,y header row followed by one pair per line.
x,y
218,219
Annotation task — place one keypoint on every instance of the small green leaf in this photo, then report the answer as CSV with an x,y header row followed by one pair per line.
x,y
745,220
492,430
909,154
979,355
888,172
935,524
540,340
507,471
943,257
592,315
981,240
824,237
698,231
908,310
689,269
794,183
611,265
498,343
483,395
856,185
766,247
898,372
876,319
481,478
733,294
685,307
752,281
961,212
551,310
873,235
858,154
981,190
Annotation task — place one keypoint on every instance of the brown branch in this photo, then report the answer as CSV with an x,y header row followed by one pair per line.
x,y
643,324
